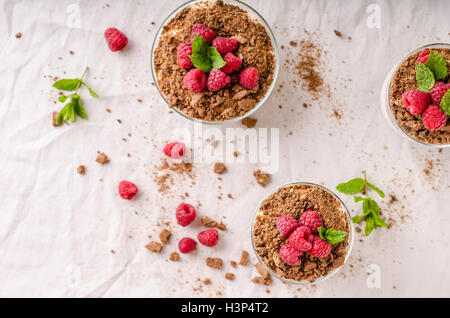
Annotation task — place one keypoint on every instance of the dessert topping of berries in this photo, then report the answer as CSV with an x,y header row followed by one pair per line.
x,y
434,118
183,53
225,45
311,219
233,63
301,239
320,248
204,32
437,92
415,101
286,224
195,80
423,56
217,80
290,255
249,78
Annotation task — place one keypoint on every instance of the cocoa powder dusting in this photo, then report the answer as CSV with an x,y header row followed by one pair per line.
x,y
307,67
294,200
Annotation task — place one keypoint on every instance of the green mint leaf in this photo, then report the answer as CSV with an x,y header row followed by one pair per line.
x,y
437,65
91,91
377,190
370,226
358,199
67,113
359,218
202,62
199,46
62,98
215,57
67,84
322,231
424,77
445,103
334,237
351,187
79,109
373,206
379,222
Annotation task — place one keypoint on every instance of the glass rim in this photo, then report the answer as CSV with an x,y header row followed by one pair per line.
x,y
261,20
388,91
350,243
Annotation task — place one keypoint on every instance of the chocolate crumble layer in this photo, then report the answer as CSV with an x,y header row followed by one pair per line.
x,y
254,48
294,200
404,80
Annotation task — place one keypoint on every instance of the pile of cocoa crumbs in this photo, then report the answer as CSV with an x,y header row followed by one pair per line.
x,y
404,80
255,49
294,200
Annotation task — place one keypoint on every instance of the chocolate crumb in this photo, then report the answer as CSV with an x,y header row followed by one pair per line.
x,y
249,122
207,281
154,247
233,264
214,262
81,169
337,33
174,257
102,158
262,271
229,276
261,178
165,235
18,35
208,222
244,258
219,168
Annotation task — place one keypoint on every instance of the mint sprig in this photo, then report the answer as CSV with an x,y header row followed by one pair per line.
x,y
205,57
371,209
424,77
74,107
436,63
331,236
445,103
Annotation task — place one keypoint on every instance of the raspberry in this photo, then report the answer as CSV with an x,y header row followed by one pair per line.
x,y
423,57
320,248
186,245
312,220
225,45
233,63
290,255
127,190
437,92
301,238
116,39
174,150
208,237
195,80
204,32
217,80
185,214
183,52
434,118
249,78
285,224
415,101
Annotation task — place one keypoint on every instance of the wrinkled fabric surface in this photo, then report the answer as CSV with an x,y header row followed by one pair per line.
x,y
67,235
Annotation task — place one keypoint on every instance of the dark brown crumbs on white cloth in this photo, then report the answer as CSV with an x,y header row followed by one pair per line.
x,y
249,122
261,178
219,168
294,201
154,247
255,49
208,222
165,235
404,80
174,257
229,276
102,158
81,169
244,258
214,262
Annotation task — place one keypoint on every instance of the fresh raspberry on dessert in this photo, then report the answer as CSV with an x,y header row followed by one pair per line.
x,y
174,150
225,45
195,80
423,57
187,245
116,39
437,92
183,52
127,190
233,63
415,101
320,248
204,32
434,118
312,220
301,238
249,78
290,255
208,237
217,80
185,214
285,224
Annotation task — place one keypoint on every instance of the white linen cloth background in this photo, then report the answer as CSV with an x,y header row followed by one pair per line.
x,y
58,228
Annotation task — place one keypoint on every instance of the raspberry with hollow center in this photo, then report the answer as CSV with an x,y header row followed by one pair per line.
x,y
174,150
233,63
217,80
415,101
185,214
437,92
320,248
301,238
204,32
195,80
312,220
249,78
290,255
434,118
127,190
208,237
225,45
116,40
183,52
285,224
423,57
187,245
